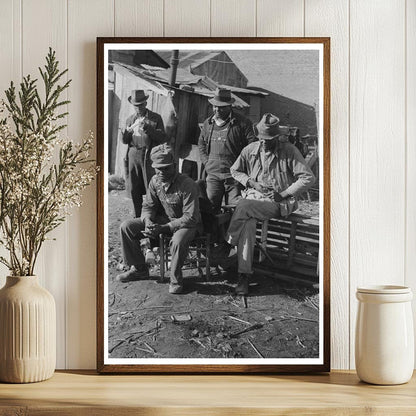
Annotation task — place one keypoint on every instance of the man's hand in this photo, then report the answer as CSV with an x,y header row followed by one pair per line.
x,y
147,127
153,230
161,229
277,197
149,225
257,186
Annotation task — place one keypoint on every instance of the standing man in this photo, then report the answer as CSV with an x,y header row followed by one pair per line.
x,y
274,174
171,207
144,130
222,138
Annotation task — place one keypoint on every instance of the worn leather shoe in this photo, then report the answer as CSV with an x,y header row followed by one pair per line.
x,y
133,274
175,288
242,285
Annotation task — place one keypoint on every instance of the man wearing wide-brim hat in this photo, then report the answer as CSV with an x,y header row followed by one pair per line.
x,y
171,207
143,130
223,136
273,173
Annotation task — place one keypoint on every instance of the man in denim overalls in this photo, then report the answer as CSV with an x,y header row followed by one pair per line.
x,y
223,136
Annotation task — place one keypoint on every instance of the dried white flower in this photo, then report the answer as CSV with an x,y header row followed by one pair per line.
x,y
42,175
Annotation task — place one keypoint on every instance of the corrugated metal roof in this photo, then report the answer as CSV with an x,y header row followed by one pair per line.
x,y
157,81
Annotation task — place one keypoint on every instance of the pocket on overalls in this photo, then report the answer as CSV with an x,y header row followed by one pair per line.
x,y
173,201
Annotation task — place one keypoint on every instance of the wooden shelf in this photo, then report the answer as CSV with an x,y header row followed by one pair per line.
x,y
86,393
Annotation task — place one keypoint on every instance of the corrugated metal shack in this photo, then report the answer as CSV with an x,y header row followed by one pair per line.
x,y
182,107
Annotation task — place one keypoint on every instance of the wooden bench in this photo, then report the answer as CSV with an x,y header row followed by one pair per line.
x,y
291,245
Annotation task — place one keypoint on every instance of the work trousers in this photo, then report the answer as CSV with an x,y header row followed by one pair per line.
x,y
216,188
139,174
131,233
242,229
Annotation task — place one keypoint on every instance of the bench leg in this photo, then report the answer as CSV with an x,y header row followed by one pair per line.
x,y
208,256
292,244
162,258
263,240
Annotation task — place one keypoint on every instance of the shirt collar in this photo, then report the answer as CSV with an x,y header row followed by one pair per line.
x,y
167,185
258,147
231,118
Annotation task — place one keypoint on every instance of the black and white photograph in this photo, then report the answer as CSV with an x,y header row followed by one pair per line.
x,y
214,196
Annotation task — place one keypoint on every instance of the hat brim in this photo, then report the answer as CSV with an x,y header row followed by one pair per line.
x,y
161,165
138,102
217,103
266,136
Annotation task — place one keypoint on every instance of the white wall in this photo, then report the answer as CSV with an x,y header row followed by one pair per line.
x,y
373,127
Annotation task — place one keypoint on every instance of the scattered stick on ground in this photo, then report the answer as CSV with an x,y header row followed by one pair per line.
x,y
299,342
255,349
250,328
300,318
150,348
239,320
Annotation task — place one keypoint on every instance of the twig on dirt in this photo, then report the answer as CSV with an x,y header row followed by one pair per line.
x,y
198,342
121,312
112,301
156,329
143,301
145,350
299,342
135,310
300,319
255,349
312,303
115,346
250,328
122,341
150,348
239,320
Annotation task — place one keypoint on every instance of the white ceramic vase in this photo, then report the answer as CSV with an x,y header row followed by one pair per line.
x,y
27,331
384,352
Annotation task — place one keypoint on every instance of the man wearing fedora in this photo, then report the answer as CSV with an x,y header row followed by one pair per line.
x,y
274,173
223,136
144,130
171,207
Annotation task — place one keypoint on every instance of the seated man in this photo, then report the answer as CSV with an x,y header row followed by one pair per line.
x,y
274,173
170,207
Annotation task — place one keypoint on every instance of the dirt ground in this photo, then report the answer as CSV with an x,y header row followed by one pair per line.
x,y
281,320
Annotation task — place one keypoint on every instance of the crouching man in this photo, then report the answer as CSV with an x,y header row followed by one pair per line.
x,y
274,174
171,207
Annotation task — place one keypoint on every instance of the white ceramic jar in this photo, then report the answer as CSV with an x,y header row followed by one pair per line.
x,y
384,352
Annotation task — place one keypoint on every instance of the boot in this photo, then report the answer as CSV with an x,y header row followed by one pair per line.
x,y
135,273
242,285
175,288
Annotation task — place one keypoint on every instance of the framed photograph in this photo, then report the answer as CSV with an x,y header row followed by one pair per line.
x,y
213,205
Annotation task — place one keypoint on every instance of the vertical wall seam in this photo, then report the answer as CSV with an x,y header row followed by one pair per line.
x,y
405,144
21,39
255,18
114,18
163,18
66,222
210,18
349,185
304,18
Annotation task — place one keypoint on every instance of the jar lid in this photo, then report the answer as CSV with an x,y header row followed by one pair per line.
x,y
384,289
